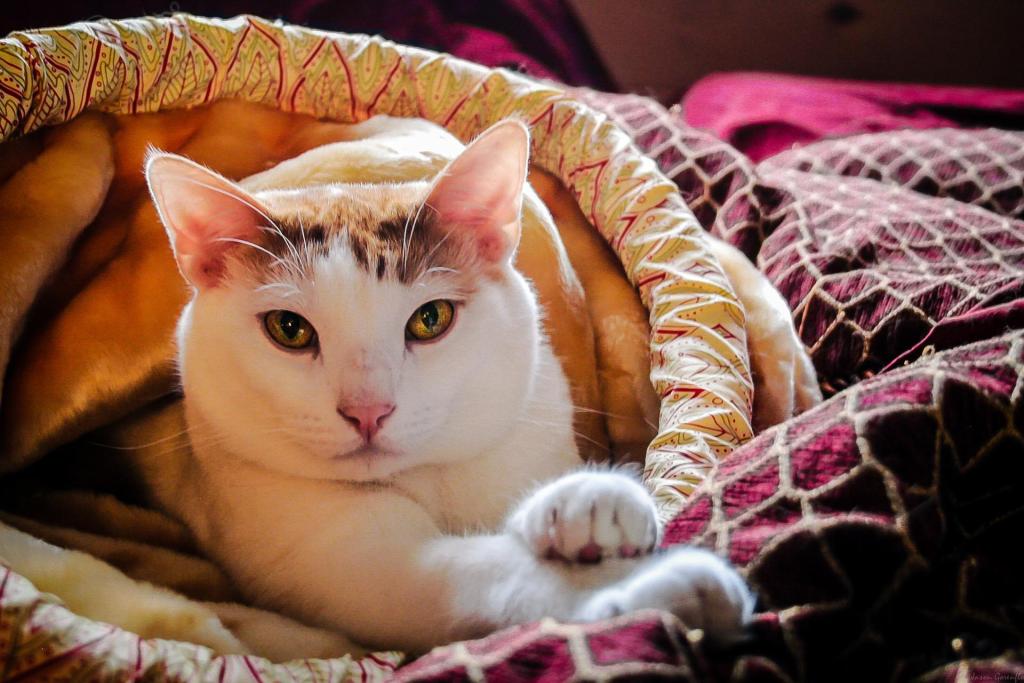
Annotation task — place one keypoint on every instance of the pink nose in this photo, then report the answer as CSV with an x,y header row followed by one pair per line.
x,y
367,419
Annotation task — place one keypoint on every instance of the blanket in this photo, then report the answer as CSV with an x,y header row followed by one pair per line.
x,y
880,528
542,38
763,114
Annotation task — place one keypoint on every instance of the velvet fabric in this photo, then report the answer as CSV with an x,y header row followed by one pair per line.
x,y
874,239
879,529
762,114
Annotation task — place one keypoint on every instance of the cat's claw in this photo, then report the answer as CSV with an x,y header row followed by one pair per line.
x,y
588,516
695,585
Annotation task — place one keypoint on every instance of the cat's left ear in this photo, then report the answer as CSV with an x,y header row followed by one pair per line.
x,y
481,190
205,214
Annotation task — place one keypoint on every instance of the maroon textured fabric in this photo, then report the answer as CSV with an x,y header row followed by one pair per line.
x,y
763,114
880,529
869,269
980,167
1002,312
868,266
884,536
650,644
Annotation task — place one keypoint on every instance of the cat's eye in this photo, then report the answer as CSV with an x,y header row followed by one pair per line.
x,y
430,320
289,330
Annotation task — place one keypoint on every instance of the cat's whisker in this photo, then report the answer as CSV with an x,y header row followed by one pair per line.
x,y
438,269
581,409
437,246
188,435
185,446
604,447
189,440
277,259
193,443
541,423
243,202
302,231
307,263
407,236
156,442
287,289
284,238
405,242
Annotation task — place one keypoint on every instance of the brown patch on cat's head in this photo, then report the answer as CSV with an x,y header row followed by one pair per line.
x,y
388,230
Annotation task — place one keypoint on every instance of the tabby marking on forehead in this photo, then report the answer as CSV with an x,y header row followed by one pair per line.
x,y
387,229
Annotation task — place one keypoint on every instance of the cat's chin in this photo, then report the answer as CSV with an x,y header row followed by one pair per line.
x,y
365,453
367,463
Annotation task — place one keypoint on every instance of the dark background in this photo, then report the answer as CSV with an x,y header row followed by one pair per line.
x,y
656,47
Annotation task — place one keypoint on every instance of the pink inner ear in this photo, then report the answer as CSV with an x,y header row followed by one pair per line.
x,y
481,191
205,214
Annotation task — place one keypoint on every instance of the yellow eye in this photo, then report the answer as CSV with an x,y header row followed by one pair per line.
x,y
289,330
430,320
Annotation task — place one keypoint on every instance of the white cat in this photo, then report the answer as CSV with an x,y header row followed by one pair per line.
x,y
374,412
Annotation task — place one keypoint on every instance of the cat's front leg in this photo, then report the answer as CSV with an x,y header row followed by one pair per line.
x,y
697,586
591,517
586,517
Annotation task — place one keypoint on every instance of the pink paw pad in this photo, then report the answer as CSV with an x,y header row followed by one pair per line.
x,y
589,554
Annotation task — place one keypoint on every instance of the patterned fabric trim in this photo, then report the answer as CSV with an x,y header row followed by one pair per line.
x,y
42,641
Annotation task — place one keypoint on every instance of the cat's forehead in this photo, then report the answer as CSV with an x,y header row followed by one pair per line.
x,y
339,207
388,230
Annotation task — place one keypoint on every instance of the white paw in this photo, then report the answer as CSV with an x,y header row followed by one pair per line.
x,y
588,516
698,587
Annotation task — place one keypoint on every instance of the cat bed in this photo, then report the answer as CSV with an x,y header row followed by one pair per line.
x,y
91,293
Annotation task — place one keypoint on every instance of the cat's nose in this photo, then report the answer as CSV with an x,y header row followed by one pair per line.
x,y
367,419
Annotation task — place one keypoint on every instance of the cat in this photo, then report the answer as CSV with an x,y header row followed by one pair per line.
x,y
382,437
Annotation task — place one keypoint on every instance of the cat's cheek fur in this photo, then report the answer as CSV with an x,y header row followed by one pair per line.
x,y
486,370
244,394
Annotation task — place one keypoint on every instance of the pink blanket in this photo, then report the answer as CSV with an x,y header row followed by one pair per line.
x,y
761,114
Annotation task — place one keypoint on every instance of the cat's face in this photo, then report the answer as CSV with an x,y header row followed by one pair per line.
x,y
353,331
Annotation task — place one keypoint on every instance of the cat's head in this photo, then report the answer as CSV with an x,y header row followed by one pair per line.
x,y
353,331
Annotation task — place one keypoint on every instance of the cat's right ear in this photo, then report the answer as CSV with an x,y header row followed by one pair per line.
x,y
480,193
205,215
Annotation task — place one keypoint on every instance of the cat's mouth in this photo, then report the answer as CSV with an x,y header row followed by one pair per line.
x,y
367,451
